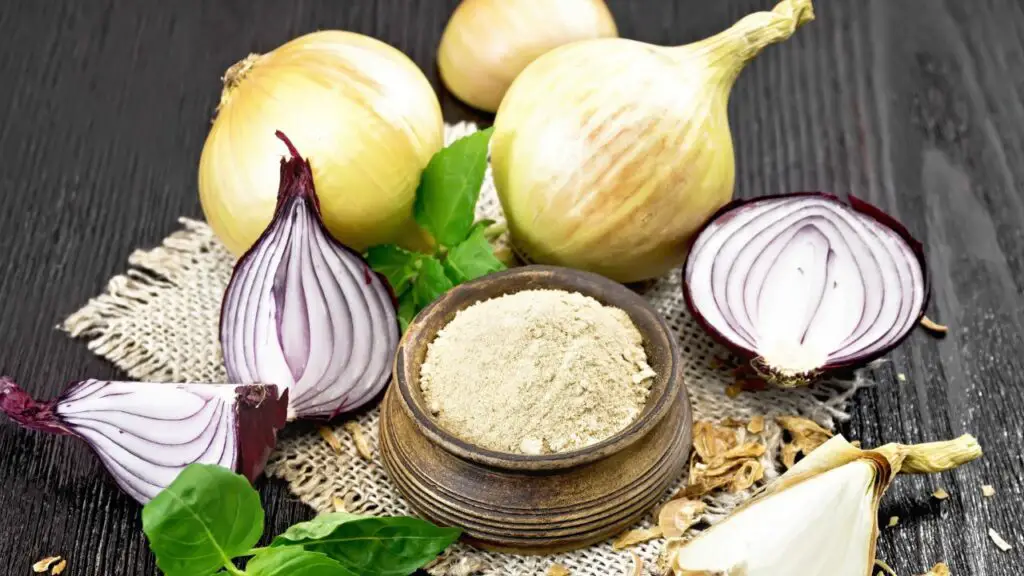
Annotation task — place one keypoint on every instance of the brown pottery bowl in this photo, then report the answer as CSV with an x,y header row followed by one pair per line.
x,y
547,503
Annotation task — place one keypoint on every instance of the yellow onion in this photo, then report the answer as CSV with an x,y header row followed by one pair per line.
x,y
360,110
487,43
609,154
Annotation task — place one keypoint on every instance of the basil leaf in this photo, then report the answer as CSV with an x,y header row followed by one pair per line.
x,y
320,527
430,283
396,264
294,560
406,310
206,517
372,546
450,186
472,258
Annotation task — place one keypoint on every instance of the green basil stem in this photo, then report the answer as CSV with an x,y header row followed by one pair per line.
x,y
495,230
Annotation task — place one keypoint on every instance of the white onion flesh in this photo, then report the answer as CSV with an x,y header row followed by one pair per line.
x,y
823,525
806,282
307,313
146,433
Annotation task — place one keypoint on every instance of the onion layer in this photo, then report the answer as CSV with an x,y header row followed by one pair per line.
x,y
805,282
305,312
146,433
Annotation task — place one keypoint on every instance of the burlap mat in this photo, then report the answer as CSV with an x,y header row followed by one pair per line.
x,y
158,322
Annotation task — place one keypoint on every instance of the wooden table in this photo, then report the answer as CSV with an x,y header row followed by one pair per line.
x,y
916,105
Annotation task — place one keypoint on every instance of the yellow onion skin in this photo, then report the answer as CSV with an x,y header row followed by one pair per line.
x,y
487,43
609,154
361,111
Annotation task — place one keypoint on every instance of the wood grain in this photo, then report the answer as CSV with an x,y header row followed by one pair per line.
x,y
916,105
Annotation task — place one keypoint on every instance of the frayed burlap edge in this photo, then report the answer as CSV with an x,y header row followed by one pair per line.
x,y
158,322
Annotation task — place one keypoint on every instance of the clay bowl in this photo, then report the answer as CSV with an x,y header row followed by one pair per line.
x,y
536,504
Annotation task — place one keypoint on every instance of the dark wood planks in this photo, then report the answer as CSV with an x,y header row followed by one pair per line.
x,y
916,105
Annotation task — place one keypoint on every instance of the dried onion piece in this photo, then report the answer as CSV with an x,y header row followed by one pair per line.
x,y
756,425
806,436
328,435
789,454
932,326
710,441
557,570
44,564
939,569
362,445
677,516
719,460
1000,543
749,473
637,536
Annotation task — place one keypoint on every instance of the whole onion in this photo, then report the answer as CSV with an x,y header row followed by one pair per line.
x,y
805,283
487,43
609,154
360,108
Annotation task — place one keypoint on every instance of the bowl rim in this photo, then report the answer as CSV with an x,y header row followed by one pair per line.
x,y
415,339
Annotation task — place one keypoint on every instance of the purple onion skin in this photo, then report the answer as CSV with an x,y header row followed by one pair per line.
x,y
857,205
260,414
28,412
296,183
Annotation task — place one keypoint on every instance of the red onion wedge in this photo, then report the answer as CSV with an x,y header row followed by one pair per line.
x,y
145,433
306,312
805,283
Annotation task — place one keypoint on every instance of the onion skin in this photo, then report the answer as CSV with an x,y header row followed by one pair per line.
x,y
88,408
487,43
857,205
359,108
609,154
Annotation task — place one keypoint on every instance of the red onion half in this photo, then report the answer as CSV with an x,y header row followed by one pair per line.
x,y
804,283
146,433
305,312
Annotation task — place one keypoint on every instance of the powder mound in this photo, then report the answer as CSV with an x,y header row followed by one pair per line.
x,y
538,371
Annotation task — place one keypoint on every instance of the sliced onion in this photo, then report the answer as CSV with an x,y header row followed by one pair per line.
x,y
305,312
145,433
805,282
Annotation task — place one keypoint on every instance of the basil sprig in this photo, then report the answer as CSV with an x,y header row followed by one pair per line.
x,y
210,517
445,207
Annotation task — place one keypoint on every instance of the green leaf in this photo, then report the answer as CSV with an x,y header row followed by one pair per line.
x,y
372,546
472,258
320,527
430,283
450,186
206,517
406,310
293,560
396,264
